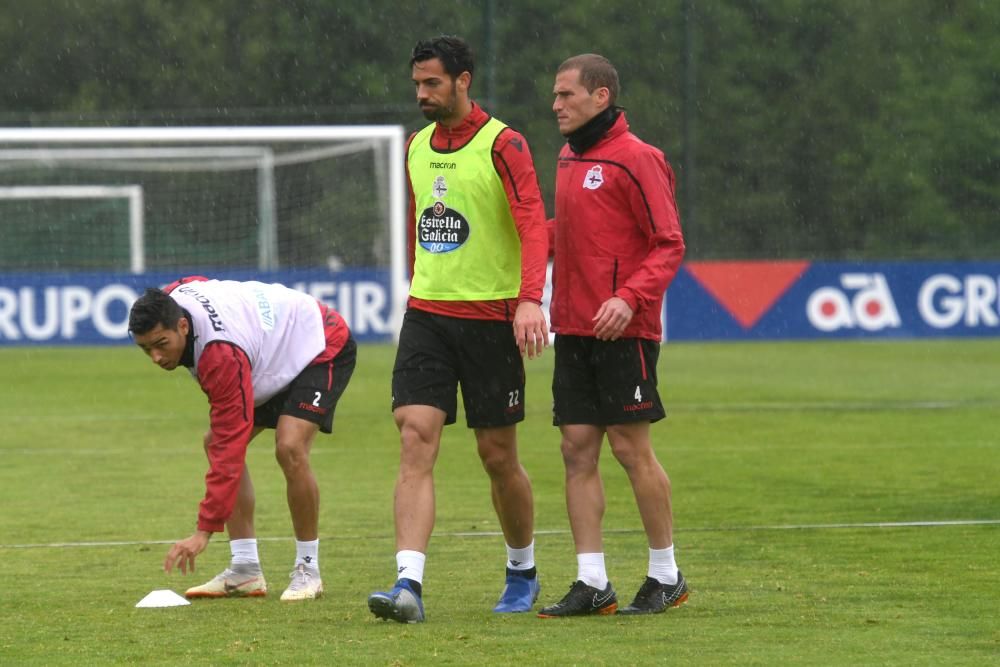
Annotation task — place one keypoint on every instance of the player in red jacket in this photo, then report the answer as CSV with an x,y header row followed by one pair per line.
x,y
617,246
266,357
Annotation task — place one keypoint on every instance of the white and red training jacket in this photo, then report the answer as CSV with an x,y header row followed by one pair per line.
x,y
248,341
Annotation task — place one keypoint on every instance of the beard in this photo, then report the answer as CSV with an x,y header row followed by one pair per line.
x,y
441,112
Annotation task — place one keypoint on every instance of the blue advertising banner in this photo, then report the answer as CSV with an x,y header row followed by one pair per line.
x,y
803,300
707,301
92,308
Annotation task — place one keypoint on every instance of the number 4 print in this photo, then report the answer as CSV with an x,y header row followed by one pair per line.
x,y
638,393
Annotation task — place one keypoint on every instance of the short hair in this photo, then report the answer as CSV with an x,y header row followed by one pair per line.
x,y
596,71
154,307
454,53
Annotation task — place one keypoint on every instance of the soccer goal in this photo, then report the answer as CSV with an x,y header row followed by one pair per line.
x,y
204,199
12,255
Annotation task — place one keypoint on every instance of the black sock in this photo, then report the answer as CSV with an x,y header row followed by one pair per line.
x,y
415,586
530,573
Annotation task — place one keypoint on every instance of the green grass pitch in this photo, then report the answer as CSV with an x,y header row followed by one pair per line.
x,y
835,503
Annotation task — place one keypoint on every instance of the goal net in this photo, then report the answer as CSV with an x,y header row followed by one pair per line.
x,y
31,247
250,199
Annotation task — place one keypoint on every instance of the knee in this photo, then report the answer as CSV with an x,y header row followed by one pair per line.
x,y
418,447
413,435
292,455
498,461
632,455
498,451
578,457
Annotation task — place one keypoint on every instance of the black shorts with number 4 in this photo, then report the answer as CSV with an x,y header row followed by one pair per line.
x,y
313,394
437,354
602,382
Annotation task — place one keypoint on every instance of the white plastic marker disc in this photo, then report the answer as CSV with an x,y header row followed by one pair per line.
x,y
163,598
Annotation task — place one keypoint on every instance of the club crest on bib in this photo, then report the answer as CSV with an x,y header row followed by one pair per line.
x,y
440,188
594,178
441,229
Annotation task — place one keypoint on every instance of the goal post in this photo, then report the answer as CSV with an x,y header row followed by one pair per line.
x,y
132,193
233,199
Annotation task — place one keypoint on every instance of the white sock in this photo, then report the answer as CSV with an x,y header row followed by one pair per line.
x,y
662,566
244,551
590,570
521,559
307,553
410,565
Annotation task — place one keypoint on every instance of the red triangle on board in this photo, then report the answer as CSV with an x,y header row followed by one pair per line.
x,y
746,290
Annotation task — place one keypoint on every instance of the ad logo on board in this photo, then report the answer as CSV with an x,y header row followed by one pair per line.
x,y
864,301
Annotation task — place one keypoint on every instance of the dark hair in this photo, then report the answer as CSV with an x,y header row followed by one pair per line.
x,y
152,308
454,53
595,72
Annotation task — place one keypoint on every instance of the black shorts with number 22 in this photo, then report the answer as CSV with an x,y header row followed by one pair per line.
x,y
437,354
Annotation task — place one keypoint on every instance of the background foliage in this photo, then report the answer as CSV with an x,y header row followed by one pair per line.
x,y
816,128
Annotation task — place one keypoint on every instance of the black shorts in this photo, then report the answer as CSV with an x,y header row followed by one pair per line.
x,y
313,394
605,382
436,354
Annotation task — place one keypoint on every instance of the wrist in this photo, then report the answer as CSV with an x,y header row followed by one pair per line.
x,y
628,298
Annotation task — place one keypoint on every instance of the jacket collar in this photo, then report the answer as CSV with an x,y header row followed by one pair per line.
x,y
608,123
445,138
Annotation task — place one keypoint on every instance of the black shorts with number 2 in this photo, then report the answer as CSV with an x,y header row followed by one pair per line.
x,y
437,354
602,382
313,394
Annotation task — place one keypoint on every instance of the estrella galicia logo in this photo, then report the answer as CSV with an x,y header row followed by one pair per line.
x,y
441,229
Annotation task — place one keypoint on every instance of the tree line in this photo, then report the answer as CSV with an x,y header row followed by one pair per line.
x,y
822,129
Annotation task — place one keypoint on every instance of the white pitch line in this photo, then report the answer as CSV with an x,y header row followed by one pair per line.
x,y
834,406
617,531
760,406
805,526
876,524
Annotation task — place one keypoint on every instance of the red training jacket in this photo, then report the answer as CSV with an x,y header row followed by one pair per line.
x,y
617,233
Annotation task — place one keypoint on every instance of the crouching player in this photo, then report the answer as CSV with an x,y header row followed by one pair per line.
x,y
267,357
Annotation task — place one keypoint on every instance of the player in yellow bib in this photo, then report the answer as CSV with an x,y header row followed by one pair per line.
x,y
467,247
478,250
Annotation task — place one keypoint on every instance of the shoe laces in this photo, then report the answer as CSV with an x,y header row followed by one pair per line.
x,y
229,574
648,589
232,574
300,577
576,590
